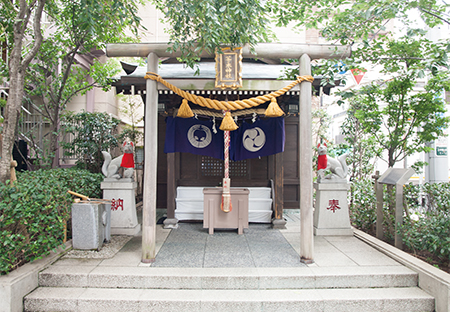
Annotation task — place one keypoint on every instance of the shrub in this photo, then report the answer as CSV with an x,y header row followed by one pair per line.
x,y
429,227
429,233
426,225
362,206
34,211
92,133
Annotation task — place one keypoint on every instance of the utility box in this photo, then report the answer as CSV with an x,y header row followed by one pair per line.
x,y
214,217
91,224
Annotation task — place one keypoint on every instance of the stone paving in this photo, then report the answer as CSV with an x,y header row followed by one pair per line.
x,y
260,246
257,271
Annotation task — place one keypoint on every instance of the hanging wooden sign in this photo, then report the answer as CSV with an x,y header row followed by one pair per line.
x,y
229,68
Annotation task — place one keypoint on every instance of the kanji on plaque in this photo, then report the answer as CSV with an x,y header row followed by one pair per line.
x,y
116,204
229,68
334,205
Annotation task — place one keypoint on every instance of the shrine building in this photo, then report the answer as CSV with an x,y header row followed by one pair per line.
x,y
277,180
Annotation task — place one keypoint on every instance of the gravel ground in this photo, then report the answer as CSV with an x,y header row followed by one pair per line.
x,y
108,250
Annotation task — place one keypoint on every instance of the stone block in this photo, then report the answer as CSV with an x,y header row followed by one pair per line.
x,y
90,225
331,216
121,192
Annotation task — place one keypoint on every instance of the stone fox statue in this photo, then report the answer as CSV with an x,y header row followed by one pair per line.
x,y
111,166
338,167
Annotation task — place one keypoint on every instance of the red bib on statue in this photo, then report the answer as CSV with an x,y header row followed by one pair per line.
x,y
322,162
127,160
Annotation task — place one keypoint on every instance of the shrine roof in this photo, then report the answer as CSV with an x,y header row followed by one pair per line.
x,y
255,76
207,70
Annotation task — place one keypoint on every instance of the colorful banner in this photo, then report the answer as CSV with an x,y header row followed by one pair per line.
x,y
190,135
258,139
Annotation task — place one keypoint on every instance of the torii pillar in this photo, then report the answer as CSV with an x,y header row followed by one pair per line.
x,y
305,152
150,168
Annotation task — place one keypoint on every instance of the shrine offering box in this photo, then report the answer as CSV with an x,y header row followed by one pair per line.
x,y
214,217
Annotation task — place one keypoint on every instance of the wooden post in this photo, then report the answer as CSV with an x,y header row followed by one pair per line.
x,y
13,170
171,185
379,196
171,222
305,150
279,186
150,164
278,221
398,241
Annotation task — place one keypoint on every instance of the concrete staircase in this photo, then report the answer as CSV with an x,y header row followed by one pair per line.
x,y
106,288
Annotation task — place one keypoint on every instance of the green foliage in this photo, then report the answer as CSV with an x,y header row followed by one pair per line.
x,y
429,198
362,205
429,226
34,211
426,222
130,109
361,147
206,25
430,233
329,70
394,125
401,119
355,21
320,124
362,26
130,133
81,27
92,133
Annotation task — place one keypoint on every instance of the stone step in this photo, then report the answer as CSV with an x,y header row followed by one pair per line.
x,y
398,299
228,278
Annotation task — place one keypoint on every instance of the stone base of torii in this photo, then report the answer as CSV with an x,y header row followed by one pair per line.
x,y
304,53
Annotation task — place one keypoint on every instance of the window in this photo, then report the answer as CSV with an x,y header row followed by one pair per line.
x,y
213,167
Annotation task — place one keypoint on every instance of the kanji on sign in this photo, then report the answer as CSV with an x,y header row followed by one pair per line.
x,y
334,204
116,204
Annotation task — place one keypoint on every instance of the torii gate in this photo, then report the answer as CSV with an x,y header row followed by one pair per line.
x,y
304,53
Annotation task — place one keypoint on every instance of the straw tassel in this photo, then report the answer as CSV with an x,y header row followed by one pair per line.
x,y
273,110
185,111
228,123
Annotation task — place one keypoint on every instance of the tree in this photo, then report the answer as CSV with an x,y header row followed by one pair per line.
x,y
360,145
16,17
356,21
80,27
206,25
92,133
131,110
400,117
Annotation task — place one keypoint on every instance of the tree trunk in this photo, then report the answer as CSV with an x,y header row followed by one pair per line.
x,y
12,109
54,140
17,66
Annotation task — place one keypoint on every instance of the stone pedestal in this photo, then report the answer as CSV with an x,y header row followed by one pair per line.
x,y
278,224
123,205
170,223
331,216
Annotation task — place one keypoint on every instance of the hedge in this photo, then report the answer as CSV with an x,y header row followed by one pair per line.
x,y
426,226
34,211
